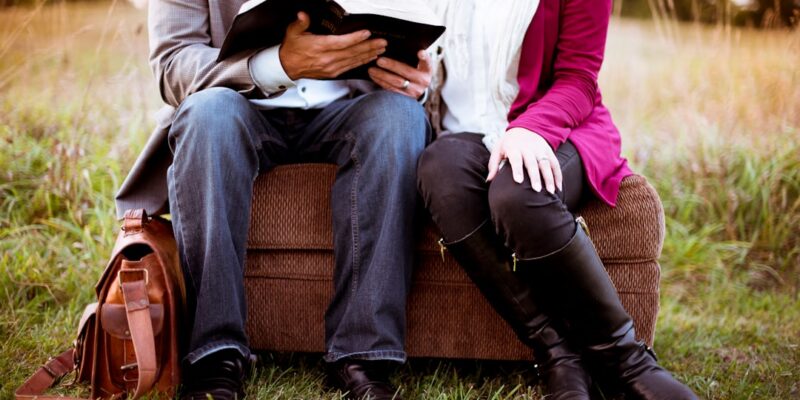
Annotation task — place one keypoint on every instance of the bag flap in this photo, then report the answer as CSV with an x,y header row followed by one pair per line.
x,y
88,314
114,319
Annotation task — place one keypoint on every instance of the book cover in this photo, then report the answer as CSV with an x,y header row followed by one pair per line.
x,y
407,26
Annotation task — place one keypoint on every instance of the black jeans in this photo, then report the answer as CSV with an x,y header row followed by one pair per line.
x,y
452,180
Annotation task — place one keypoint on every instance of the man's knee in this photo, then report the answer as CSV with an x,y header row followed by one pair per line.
x,y
393,120
211,117
394,108
213,104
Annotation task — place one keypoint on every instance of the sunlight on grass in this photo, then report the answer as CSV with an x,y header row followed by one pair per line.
x,y
711,117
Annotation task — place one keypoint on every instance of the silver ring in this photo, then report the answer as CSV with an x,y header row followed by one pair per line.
x,y
406,84
544,158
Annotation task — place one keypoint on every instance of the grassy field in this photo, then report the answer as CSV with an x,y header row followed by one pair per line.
x,y
711,116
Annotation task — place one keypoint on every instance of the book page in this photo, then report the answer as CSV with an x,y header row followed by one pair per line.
x,y
247,6
409,10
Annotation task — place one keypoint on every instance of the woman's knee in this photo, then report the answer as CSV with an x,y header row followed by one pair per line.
x,y
532,223
447,168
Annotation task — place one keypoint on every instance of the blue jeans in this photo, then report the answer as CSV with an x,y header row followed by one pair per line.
x,y
220,144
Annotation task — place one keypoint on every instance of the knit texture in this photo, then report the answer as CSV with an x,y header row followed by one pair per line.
x,y
289,271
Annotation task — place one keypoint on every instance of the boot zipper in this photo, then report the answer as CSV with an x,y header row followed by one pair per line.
x,y
514,260
583,225
442,248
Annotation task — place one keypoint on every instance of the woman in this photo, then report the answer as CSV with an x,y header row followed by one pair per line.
x,y
522,79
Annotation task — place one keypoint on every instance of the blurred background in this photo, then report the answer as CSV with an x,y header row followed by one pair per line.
x,y
705,92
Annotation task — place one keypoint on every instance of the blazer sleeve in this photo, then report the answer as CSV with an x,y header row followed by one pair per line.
x,y
583,28
181,53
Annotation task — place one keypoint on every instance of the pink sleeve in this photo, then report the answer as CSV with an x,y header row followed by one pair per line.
x,y
578,57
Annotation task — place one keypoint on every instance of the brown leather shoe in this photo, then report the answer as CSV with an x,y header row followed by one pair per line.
x,y
362,380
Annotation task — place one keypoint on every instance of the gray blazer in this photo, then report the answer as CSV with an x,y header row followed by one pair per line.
x,y
185,36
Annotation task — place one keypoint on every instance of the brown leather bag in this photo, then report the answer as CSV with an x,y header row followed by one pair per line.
x,y
128,342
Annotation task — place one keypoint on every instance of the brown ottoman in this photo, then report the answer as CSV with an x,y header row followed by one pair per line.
x,y
289,271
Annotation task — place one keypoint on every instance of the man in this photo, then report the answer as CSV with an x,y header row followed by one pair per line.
x,y
226,122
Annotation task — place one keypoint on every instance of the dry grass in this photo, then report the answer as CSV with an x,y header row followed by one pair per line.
x,y
710,115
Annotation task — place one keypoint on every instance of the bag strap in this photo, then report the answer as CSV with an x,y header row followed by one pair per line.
x,y
137,308
47,375
134,221
56,368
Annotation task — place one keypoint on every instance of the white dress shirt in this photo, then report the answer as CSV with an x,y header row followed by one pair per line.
x,y
282,92
482,45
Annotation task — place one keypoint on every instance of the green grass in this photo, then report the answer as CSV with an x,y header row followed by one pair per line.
x,y
710,117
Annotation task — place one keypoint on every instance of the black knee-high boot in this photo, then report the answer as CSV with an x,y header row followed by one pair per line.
x,y
486,261
576,280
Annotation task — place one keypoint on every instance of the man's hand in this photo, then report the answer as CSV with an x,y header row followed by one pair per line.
x,y
305,55
527,151
400,78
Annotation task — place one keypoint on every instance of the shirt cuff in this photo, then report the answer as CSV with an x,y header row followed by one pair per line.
x,y
267,72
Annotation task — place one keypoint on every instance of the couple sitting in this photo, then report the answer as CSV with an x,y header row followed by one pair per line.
x,y
527,141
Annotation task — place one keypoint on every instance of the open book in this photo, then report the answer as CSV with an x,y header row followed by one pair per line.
x,y
407,25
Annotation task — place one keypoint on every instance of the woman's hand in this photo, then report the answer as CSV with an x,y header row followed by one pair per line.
x,y
526,150
397,77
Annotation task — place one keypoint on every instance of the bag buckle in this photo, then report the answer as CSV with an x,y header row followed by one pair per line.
x,y
128,367
143,275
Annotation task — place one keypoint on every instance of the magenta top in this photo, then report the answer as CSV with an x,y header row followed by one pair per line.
x,y
559,97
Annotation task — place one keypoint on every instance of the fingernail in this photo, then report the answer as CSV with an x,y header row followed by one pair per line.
x,y
537,188
366,34
517,179
381,60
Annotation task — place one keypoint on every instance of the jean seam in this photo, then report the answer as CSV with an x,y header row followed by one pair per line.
x,y
214,346
396,355
354,221
183,232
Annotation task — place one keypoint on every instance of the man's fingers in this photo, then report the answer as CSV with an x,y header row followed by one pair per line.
x,y
388,81
300,25
343,42
547,173
389,77
387,86
515,160
494,163
345,64
404,71
367,48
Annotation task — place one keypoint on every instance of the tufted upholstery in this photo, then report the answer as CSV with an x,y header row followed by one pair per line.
x,y
290,265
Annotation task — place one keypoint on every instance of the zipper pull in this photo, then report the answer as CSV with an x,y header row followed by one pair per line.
x,y
514,265
582,223
442,248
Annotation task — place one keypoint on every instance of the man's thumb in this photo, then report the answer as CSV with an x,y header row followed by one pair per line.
x,y
300,25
